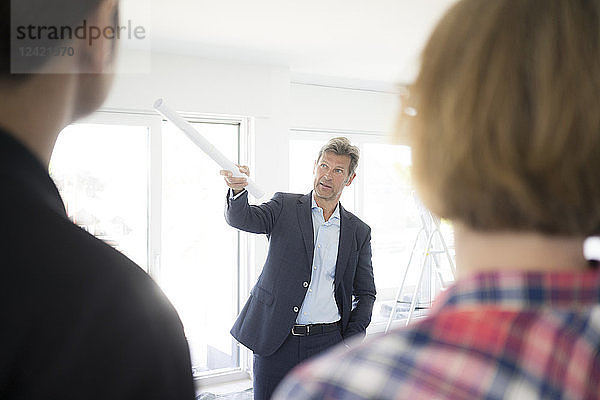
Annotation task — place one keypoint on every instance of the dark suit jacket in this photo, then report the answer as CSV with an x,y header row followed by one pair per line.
x,y
78,320
270,312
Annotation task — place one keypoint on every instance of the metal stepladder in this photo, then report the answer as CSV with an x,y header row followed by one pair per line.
x,y
428,235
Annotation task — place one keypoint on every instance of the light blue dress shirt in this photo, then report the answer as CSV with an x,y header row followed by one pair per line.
x,y
319,304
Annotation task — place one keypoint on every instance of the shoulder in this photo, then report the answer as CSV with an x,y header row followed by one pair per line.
x,y
43,242
62,265
356,373
70,289
384,366
361,225
291,198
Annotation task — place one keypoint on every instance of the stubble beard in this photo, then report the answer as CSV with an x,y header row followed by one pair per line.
x,y
331,196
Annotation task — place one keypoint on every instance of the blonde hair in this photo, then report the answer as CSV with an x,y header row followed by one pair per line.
x,y
506,134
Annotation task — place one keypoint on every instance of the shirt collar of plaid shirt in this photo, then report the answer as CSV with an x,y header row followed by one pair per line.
x,y
522,290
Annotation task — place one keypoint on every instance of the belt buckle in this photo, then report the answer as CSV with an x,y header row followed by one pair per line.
x,y
301,334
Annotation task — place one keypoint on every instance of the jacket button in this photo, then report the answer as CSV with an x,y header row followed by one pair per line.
x,y
296,309
305,284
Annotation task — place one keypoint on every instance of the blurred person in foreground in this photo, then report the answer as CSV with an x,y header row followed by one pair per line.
x,y
506,144
78,320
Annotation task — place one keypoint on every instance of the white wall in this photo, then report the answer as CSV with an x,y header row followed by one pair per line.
x,y
317,107
265,92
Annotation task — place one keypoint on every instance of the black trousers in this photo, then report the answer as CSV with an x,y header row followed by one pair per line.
x,y
270,370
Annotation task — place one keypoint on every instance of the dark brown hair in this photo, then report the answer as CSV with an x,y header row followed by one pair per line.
x,y
39,13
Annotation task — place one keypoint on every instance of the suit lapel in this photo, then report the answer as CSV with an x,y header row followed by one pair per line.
x,y
306,226
347,229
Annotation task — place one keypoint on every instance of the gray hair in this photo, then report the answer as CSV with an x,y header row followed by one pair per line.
x,y
342,147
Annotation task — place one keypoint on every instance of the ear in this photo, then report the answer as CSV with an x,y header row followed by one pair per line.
x,y
350,179
95,62
97,50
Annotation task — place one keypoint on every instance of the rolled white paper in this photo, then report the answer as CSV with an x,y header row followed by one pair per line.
x,y
205,145
591,248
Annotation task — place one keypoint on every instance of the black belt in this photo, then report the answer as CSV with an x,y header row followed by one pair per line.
x,y
315,329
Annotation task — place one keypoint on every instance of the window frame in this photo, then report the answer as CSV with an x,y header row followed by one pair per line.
x,y
245,251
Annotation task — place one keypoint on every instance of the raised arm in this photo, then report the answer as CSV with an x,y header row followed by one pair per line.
x,y
241,215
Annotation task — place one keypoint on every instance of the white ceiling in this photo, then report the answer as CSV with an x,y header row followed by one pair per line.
x,y
318,40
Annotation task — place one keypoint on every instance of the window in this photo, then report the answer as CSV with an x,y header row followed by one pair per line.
x,y
383,197
199,265
141,185
100,194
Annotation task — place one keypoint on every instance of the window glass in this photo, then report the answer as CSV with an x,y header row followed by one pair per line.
x,y
199,266
101,172
389,208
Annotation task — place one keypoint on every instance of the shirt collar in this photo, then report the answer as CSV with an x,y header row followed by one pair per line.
x,y
336,212
524,290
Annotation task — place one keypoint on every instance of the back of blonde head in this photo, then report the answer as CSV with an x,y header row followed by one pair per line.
x,y
507,131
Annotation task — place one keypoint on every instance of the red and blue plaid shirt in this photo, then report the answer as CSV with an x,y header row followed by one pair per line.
x,y
502,335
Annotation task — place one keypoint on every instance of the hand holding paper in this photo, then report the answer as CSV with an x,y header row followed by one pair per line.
x,y
237,184
205,146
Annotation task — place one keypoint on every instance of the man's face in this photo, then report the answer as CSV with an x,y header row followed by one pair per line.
x,y
331,176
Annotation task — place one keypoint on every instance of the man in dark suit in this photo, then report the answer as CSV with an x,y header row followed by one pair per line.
x,y
316,288
78,320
